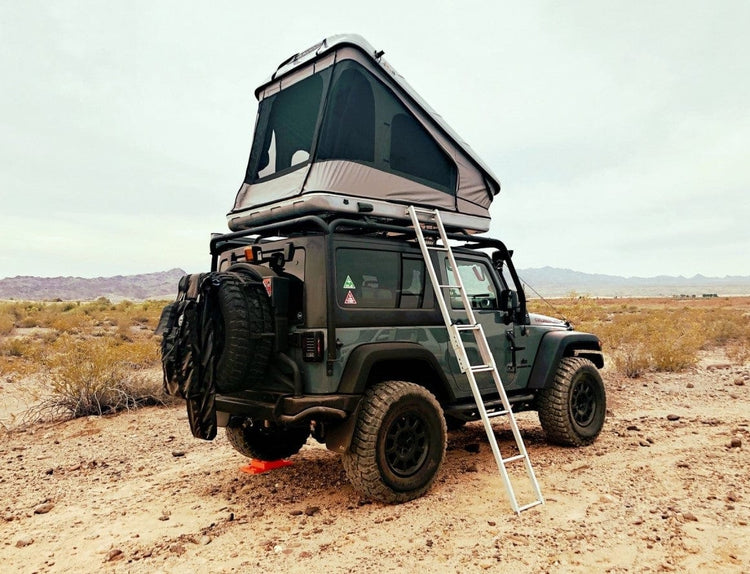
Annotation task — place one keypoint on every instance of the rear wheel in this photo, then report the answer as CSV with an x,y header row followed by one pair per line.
x,y
573,407
257,440
398,444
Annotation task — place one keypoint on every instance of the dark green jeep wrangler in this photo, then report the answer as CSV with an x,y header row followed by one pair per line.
x,y
331,330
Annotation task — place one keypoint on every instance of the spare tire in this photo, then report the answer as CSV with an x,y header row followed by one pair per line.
x,y
244,331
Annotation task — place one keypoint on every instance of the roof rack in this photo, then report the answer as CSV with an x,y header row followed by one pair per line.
x,y
316,224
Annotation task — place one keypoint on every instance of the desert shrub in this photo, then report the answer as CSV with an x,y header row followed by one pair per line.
x,y
632,360
18,355
727,327
36,314
626,342
7,324
739,351
99,376
675,351
722,331
674,337
138,354
69,321
98,306
658,335
46,336
124,333
16,347
29,321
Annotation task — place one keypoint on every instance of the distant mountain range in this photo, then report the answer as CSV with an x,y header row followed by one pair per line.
x,y
544,281
160,285
554,282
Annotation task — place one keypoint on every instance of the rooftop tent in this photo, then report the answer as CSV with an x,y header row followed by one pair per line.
x,y
338,130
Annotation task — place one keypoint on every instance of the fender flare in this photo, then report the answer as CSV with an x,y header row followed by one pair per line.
x,y
364,358
558,344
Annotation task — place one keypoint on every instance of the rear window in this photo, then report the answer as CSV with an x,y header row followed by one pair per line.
x,y
370,279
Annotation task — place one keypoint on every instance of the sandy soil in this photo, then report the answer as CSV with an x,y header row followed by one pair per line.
x,y
665,488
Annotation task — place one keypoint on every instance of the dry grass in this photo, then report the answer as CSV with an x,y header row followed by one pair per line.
x,y
99,376
641,335
95,357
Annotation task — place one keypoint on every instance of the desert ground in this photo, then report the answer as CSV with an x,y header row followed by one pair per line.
x,y
664,488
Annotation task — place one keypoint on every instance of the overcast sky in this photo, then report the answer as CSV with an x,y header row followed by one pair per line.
x,y
620,130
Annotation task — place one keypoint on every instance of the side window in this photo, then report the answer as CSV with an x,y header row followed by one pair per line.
x,y
478,283
368,279
412,283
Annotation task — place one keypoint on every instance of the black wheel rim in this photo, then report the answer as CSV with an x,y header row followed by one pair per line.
x,y
406,444
583,402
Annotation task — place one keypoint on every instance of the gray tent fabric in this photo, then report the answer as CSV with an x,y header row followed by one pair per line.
x,y
337,120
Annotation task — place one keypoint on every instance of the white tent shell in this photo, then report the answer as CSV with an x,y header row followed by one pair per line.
x,y
339,130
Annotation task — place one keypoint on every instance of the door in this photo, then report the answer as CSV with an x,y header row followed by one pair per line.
x,y
506,341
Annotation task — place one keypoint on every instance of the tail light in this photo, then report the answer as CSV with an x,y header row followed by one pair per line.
x,y
312,346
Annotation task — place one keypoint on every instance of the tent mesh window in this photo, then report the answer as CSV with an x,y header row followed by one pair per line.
x,y
350,131
286,128
365,122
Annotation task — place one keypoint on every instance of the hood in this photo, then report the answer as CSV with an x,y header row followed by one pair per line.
x,y
546,321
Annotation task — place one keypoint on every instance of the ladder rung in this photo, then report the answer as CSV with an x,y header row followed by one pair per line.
x,y
450,286
497,413
466,327
513,458
423,210
529,505
437,248
481,368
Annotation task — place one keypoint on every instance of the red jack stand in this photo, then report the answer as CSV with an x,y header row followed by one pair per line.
x,y
261,466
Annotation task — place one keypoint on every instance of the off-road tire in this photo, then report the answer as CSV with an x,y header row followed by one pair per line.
x,y
243,326
399,442
265,443
573,407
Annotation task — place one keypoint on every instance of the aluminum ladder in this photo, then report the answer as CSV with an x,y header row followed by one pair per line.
x,y
432,217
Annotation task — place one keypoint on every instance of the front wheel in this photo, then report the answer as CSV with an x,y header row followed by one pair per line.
x,y
572,408
398,444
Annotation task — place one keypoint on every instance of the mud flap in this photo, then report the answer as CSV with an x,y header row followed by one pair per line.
x,y
339,437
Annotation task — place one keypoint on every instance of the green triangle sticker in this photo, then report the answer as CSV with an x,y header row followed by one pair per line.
x,y
349,284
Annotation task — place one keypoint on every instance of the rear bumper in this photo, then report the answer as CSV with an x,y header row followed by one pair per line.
x,y
285,409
